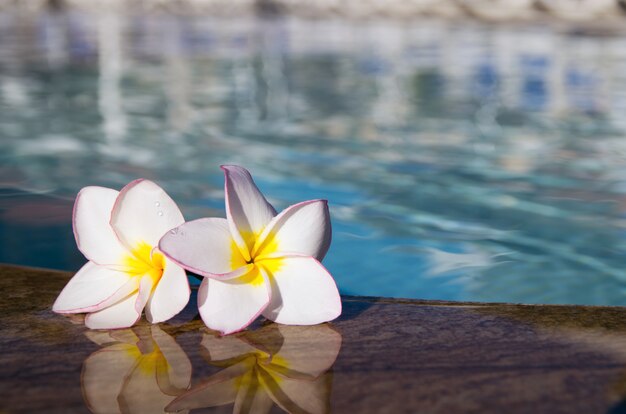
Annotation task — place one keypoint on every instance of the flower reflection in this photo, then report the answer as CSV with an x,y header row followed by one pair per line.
x,y
286,365
140,370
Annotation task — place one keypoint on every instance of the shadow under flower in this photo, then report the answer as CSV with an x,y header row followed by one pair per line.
x,y
139,370
286,365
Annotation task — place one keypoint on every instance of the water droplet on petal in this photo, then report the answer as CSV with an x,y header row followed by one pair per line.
x,y
160,213
157,204
174,231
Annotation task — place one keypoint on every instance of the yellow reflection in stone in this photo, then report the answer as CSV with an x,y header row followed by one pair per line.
x,y
284,365
138,370
150,362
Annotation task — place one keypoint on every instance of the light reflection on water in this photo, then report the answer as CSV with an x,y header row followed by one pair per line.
x,y
461,161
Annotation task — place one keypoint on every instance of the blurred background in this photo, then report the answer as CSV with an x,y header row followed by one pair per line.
x,y
470,150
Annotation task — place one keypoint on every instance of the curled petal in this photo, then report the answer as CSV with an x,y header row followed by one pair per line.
x,y
170,295
205,247
123,314
143,213
92,288
303,292
247,211
303,228
145,289
231,305
94,236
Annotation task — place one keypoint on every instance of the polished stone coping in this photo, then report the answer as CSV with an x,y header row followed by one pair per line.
x,y
381,356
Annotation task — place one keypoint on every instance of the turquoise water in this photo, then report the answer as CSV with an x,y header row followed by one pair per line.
x,y
461,161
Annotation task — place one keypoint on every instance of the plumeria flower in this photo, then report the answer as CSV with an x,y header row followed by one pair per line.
x,y
257,262
138,370
118,233
283,365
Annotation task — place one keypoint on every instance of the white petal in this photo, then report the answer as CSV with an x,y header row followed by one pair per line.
x,y
247,211
143,213
303,293
91,289
205,247
303,228
120,315
94,236
171,294
231,305
145,289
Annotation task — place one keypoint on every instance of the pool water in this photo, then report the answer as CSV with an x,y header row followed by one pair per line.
x,y
462,161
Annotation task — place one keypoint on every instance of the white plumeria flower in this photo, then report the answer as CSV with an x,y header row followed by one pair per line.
x,y
256,262
118,233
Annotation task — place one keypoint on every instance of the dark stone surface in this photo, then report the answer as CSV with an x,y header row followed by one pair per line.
x,y
390,356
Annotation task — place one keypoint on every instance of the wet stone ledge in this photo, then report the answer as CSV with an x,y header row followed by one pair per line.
x,y
380,356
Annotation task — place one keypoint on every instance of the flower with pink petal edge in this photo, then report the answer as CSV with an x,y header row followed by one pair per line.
x,y
118,233
257,262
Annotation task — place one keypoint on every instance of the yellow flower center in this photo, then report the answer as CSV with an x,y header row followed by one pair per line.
x,y
260,257
263,369
143,261
150,362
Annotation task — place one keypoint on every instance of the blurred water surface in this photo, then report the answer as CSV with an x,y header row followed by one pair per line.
x,y
462,161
